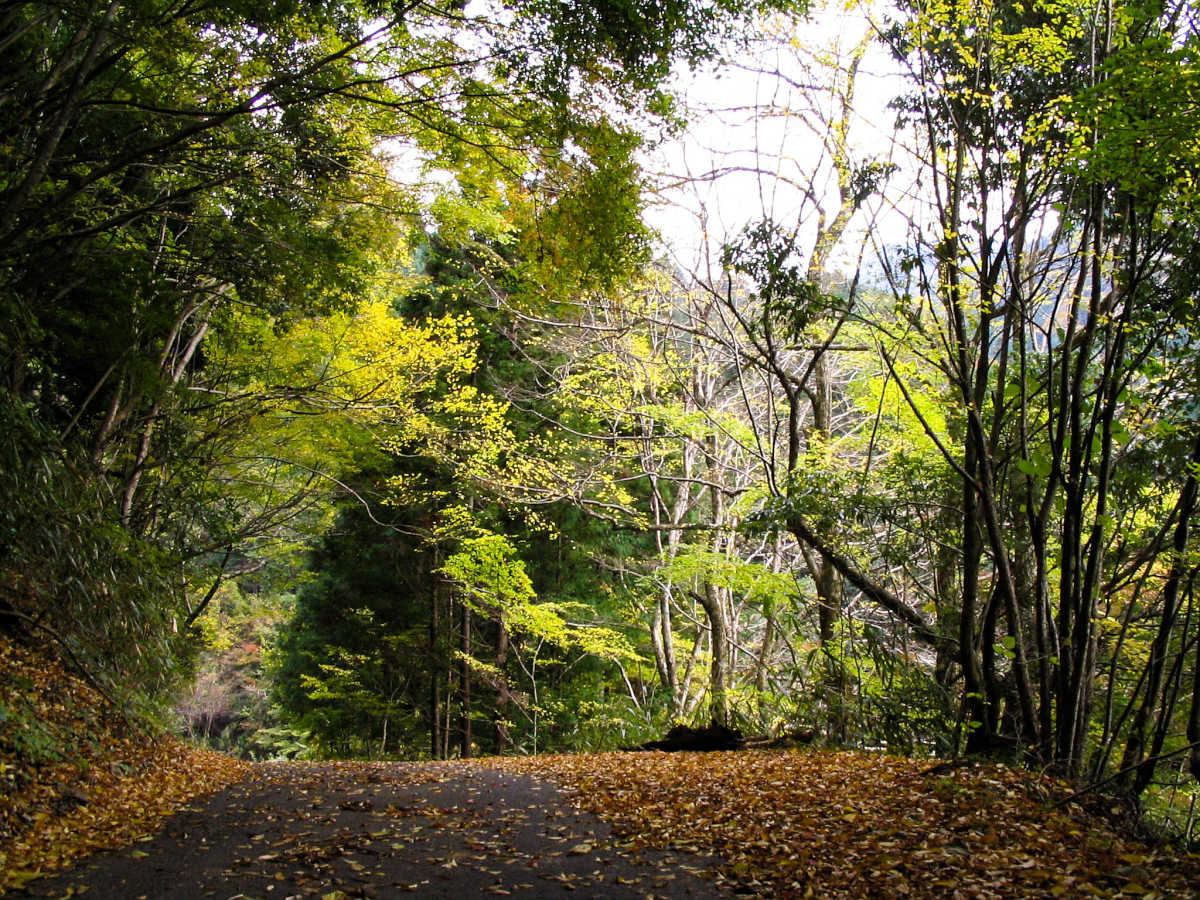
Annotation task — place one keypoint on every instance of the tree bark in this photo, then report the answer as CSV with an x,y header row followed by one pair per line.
x,y
1135,746
503,695
435,669
718,622
464,674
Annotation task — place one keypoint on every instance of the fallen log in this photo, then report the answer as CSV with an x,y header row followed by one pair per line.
x,y
789,740
685,738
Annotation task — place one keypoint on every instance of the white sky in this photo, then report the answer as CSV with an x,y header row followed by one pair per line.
x,y
756,134
764,155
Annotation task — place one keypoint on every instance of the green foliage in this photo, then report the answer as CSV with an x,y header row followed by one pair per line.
x,y
492,579
753,581
279,742
894,702
594,714
67,563
28,736
585,230
612,41
999,66
490,573
195,215
1135,128
223,316
769,257
354,654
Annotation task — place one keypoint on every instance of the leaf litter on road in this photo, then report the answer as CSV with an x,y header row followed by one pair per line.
x,y
843,824
76,779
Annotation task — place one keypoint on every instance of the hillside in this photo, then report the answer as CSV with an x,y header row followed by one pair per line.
x,y
75,776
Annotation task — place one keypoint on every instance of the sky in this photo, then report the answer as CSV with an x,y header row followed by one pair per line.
x,y
754,145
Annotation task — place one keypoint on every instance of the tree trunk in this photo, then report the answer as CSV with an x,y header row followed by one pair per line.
x,y
1193,726
718,621
975,715
435,671
464,674
1136,744
662,640
503,695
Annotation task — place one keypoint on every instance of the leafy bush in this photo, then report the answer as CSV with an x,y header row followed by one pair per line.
x,y
72,574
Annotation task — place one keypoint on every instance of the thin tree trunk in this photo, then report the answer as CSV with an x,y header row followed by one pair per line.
x,y
435,668
503,695
718,622
1193,725
1136,743
464,674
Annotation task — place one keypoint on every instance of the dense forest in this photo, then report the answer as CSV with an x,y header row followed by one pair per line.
x,y
351,408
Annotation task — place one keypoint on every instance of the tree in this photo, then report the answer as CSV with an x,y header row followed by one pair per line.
x,y
179,174
1041,295
776,317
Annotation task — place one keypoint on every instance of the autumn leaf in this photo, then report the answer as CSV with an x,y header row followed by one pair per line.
x,y
826,824
89,780
780,824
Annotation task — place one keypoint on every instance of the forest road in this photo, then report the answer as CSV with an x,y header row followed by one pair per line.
x,y
346,830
